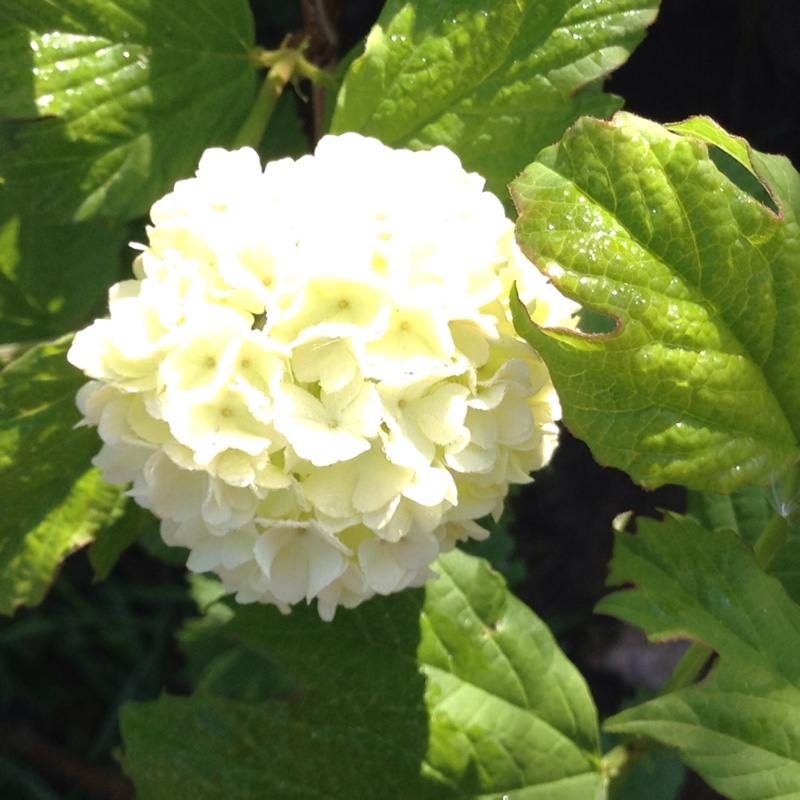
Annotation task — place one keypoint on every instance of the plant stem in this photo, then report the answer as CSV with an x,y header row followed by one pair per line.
x,y
773,537
687,669
279,74
285,64
771,540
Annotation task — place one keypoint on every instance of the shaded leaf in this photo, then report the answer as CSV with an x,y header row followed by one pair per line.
x,y
698,383
53,277
740,728
659,775
747,511
111,541
128,95
53,500
285,136
460,692
495,82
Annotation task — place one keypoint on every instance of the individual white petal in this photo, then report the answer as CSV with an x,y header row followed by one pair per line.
x,y
330,489
336,427
169,491
432,486
472,458
222,422
122,463
440,415
227,507
328,362
209,552
298,561
382,572
379,481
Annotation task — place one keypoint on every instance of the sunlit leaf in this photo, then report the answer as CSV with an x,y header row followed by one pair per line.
x,y
698,383
495,82
460,692
739,728
128,95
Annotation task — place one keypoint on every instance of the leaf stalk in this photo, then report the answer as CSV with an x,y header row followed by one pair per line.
x,y
284,65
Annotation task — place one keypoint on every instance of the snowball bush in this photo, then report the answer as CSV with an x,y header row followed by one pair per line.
x,y
313,380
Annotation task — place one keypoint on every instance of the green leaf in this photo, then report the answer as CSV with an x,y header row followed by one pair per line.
x,y
739,728
53,500
128,95
458,693
53,277
495,82
30,559
285,136
111,541
659,775
499,683
698,384
747,511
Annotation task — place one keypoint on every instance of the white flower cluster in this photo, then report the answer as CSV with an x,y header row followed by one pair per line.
x,y
313,380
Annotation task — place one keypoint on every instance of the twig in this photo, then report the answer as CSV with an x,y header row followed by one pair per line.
x,y
320,18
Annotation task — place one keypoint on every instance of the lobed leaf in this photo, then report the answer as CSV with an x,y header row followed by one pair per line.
x,y
492,81
53,500
126,96
698,383
740,728
460,693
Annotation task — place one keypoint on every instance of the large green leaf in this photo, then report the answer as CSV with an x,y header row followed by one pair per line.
x,y
740,728
129,93
53,500
495,82
458,693
698,384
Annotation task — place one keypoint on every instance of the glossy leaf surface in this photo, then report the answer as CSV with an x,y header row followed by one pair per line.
x,y
125,96
494,81
698,384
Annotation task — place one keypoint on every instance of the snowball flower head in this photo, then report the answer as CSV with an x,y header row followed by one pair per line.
x,y
313,379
